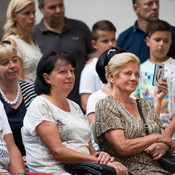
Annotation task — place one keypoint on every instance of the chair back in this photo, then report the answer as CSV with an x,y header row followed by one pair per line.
x,y
92,127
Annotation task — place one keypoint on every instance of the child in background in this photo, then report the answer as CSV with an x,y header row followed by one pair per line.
x,y
158,40
103,38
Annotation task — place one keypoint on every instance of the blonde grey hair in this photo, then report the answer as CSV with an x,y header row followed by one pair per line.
x,y
117,61
5,50
14,7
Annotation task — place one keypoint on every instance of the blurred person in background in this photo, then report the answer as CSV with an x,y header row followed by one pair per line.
x,y
19,29
57,32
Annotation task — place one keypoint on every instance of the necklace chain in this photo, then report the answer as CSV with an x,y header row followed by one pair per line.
x,y
11,102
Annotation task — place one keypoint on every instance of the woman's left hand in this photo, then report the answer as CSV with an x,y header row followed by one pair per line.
x,y
103,157
157,150
119,168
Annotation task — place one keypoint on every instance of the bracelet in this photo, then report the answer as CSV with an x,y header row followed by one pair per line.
x,y
21,173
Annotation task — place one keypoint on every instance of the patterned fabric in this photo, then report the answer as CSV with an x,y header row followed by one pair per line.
x,y
15,116
28,92
146,90
72,127
4,156
110,114
4,129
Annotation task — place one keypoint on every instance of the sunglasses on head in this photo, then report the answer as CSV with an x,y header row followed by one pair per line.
x,y
5,42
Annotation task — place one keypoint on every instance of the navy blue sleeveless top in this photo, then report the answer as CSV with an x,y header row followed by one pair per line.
x,y
15,118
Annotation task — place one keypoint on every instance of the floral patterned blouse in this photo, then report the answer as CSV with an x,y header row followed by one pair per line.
x,y
110,114
72,127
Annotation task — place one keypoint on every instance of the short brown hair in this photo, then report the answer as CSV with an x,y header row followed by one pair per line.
x,y
158,25
135,1
103,25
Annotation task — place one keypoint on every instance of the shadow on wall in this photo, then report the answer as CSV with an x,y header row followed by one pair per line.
x,y
3,10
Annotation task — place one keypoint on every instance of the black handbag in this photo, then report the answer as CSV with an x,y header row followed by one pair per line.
x,y
89,169
167,161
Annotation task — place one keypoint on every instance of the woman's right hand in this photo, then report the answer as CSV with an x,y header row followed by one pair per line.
x,y
103,157
167,140
157,150
164,144
119,167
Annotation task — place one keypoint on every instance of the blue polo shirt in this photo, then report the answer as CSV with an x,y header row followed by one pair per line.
x,y
133,40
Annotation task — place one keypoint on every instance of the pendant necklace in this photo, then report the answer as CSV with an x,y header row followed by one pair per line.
x,y
11,102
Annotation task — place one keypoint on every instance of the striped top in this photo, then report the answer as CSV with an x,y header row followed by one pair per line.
x,y
15,116
28,91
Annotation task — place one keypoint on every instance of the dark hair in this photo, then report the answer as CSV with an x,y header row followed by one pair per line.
x,y
135,1
46,65
103,25
158,25
41,3
103,61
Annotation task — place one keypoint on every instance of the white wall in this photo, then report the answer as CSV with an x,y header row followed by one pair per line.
x,y
117,11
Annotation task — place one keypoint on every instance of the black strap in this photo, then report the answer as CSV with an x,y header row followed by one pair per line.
x,y
142,117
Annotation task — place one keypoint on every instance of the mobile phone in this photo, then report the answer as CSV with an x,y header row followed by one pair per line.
x,y
158,73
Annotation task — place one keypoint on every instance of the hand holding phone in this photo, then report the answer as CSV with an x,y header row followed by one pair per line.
x,y
158,73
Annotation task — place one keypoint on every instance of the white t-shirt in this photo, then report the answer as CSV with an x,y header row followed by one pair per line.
x,y
89,80
93,99
4,129
30,55
73,130
91,103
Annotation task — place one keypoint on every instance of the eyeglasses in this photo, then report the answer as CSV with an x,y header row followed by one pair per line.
x,y
5,42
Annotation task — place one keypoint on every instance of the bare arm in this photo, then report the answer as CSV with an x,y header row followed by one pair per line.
x,y
50,136
119,167
91,117
16,163
161,91
157,150
84,98
91,148
127,147
170,129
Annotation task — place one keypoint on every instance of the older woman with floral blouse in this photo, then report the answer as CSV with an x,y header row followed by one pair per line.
x,y
119,127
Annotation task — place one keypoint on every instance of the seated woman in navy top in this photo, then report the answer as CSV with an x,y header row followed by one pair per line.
x,y
15,94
